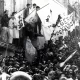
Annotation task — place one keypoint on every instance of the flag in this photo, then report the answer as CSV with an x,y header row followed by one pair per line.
x,y
47,31
32,18
66,24
19,19
47,28
48,13
44,12
50,9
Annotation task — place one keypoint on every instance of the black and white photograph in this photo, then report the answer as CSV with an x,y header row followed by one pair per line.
x,y
39,39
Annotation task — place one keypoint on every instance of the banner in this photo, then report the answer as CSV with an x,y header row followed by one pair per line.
x,y
47,31
66,24
44,12
47,21
32,18
50,9
49,16
19,19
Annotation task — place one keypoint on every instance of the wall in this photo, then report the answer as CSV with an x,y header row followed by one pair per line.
x,y
20,4
14,5
9,5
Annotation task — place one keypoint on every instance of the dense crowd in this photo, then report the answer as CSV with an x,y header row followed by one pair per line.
x,y
46,63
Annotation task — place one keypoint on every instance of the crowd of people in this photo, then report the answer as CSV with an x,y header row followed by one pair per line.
x,y
46,65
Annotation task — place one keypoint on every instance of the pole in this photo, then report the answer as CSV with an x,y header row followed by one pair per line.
x,y
62,64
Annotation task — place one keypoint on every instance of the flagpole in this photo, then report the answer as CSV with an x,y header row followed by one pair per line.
x,y
62,64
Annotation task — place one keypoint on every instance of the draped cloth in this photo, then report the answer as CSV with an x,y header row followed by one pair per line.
x,y
30,51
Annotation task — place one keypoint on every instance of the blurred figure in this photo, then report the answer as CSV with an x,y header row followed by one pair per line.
x,y
51,75
34,6
63,77
37,77
4,75
4,25
38,23
12,25
37,8
26,11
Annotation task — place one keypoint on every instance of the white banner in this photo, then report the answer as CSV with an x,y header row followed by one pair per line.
x,y
49,13
54,8
32,18
45,14
19,19
66,24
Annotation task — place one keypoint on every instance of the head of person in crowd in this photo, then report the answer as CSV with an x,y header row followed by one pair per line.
x,y
28,5
63,77
37,8
34,5
51,75
6,12
37,77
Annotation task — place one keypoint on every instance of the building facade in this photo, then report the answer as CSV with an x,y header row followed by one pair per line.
x,y
13,5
